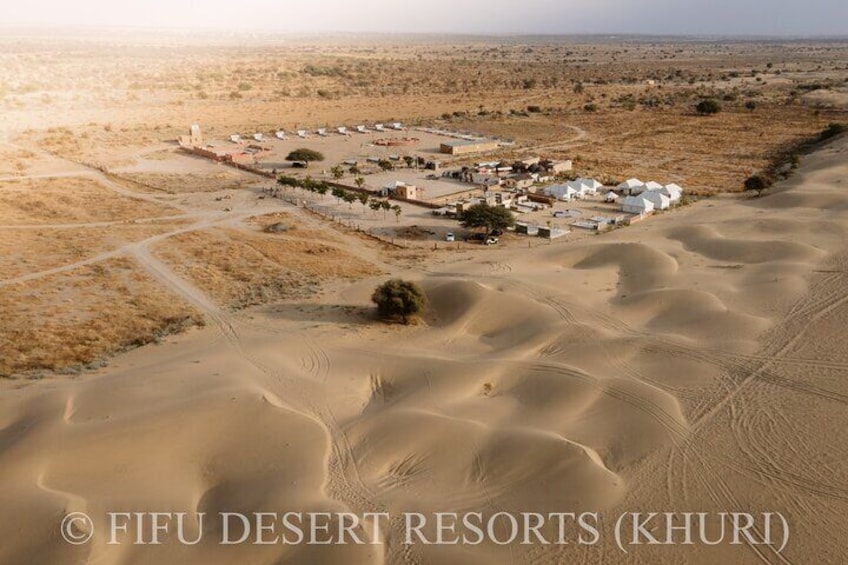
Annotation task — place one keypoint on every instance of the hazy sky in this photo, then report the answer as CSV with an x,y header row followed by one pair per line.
x,y
734,17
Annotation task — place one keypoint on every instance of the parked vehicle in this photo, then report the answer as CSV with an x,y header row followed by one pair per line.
x,y
491,240
450,237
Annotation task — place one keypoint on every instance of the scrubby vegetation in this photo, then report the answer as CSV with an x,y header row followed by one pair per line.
x,y
304,154
489,217
832,130
399,300
708,107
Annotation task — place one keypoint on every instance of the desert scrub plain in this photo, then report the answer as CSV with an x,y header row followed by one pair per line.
x,y
73,108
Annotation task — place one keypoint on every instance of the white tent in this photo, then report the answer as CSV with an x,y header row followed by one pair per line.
x,y
585,187
379,127
561,191
632,186
302,133
657,198
610,196
637,205
258,136
591,183
361,129
342,130
652,185
280,134
673,192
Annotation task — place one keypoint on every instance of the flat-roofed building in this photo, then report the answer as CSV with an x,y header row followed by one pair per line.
x,y
466,147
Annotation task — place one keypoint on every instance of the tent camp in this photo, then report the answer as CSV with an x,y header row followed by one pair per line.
x,y
632,186
586,187
657,198
637,205
610,196
562,191
673,192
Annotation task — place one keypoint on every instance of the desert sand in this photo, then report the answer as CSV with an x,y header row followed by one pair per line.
x,y
692,362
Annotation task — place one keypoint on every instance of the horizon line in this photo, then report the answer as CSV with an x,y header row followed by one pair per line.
x,y
166,30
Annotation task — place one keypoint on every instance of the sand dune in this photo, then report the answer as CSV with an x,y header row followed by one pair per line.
x,y
693,362
707,241
639,265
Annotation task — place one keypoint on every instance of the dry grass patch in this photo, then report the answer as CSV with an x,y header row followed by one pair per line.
x,y
74,319
188,183
25,251
14,161
703,154
294,228
69,200
239,269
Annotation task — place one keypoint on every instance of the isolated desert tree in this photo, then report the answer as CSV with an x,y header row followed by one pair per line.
x,y
359,182
398,211
337,172
399,300
708,106
375,204
489,217
304,154
408,159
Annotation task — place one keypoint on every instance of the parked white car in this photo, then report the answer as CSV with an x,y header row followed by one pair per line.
x,y
450,237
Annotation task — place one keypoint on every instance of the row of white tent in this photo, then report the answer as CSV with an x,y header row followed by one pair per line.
x,y
323,132
641,197
574,189
632,187
649,196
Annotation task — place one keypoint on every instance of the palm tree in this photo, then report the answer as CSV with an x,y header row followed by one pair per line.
x,y
397,210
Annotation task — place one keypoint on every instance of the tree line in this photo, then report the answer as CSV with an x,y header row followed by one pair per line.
x,y
340,194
